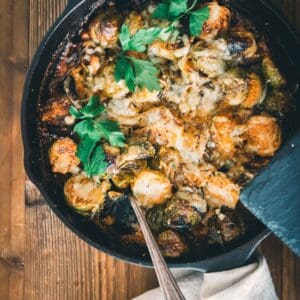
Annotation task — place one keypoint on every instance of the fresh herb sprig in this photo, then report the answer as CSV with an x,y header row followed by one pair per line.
x,y
173,10
137,72
92,129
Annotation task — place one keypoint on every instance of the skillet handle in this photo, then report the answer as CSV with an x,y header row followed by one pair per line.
x,y
233,259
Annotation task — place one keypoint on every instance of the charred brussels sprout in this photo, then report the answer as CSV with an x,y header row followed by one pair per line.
x,y
171,244
155,218
120,210
226,226
85,195
272,73
242,46
199,234
277,102
123,179
55,111
181,213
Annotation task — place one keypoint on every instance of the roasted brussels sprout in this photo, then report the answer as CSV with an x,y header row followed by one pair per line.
x,y
199,233
85,195
218,21
123,179
134,22
119,209
151,188
172,244
263,135
277,102
221,191
226,225
181,212
136,238
62,156
272,73
104,29
255,91
55,112
242,46
234,88
155,218
135,152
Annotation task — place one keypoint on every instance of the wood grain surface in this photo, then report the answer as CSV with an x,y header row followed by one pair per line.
x,y
39,258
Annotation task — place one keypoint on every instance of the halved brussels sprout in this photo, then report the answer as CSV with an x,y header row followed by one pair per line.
x,y
151,188
62,156
171,244
263,135
85,195
134,153
104,29
255,91
123,179
155,218
277,102
117,208
55,111
180,214
227,224
272,73
242,45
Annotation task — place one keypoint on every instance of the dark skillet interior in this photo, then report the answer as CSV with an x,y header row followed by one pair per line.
x,y
285,47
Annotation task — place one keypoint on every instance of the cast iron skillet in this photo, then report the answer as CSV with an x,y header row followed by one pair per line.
x,y
283,41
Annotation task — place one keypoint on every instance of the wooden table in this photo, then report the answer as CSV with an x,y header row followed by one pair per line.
x,y
39,258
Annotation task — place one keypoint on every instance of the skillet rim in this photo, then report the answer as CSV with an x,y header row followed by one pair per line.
x,y
247,246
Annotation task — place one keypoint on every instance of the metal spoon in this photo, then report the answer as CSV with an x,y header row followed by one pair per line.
x,y
165,278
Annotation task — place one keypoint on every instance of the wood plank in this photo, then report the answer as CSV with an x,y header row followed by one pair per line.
x,y
274,260
13,65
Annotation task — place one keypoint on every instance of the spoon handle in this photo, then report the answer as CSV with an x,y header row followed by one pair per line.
x,y
164,276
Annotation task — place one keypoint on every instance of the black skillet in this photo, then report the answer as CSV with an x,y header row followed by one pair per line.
x,y
286,49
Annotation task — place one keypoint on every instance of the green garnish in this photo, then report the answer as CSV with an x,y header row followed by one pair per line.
x,y
91,129
197,20
139,40
173,10
137,72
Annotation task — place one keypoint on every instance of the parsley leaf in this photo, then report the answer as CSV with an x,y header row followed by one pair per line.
x,y
96,165
124,37
197,20
177,7
137,72
139,40
170,33
85,149
124,70
110,130
87,128
173,10
91,130
93,109
75,112
143,37
161,11
145,74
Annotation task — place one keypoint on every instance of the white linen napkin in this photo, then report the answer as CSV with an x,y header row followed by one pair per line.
x,y
251,282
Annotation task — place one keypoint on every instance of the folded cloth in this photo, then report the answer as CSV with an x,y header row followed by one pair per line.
x,y
251,282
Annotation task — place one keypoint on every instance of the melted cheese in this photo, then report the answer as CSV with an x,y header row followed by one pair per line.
x,y
166,130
